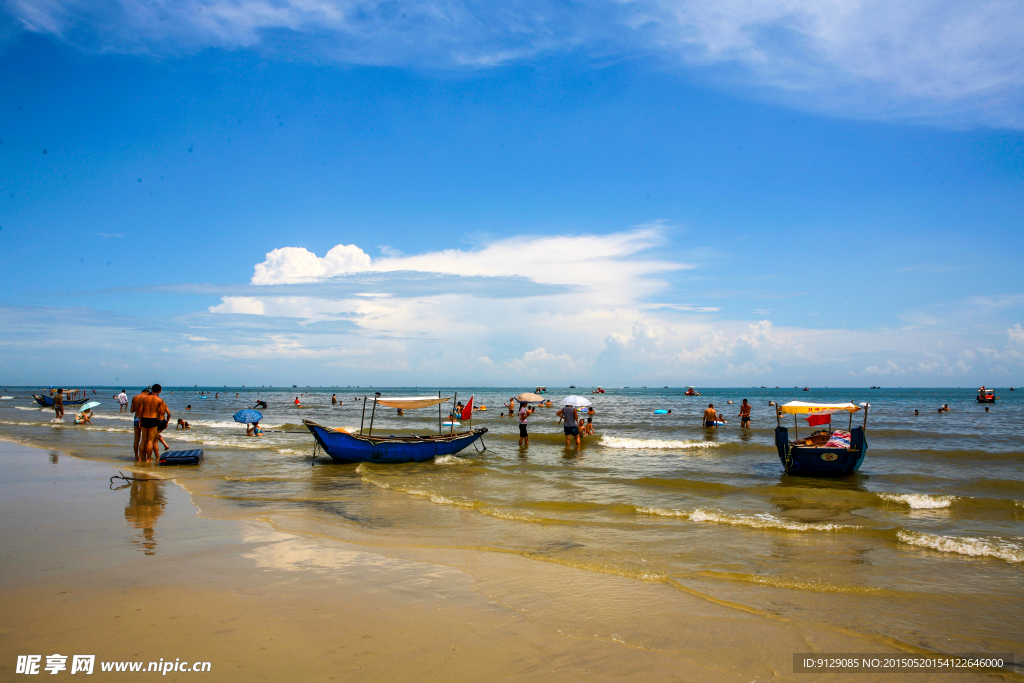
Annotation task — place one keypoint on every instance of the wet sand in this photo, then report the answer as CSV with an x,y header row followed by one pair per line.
x,y
136,574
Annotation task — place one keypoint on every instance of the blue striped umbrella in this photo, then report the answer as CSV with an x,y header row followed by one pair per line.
x,y
248,415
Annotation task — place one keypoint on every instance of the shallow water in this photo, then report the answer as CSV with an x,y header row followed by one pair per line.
x,y
924,547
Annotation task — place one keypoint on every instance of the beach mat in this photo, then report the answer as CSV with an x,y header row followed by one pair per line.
x,y
193,457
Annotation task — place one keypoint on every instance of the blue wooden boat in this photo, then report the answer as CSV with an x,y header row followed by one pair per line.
x,y
47,401
346,447
811,456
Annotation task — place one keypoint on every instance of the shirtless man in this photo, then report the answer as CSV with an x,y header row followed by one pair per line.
x,y
135,409
58,404
745,414
710,416
152,410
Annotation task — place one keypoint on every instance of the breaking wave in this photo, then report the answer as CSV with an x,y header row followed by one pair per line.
x,y
966,545
761,520
919,501
640,444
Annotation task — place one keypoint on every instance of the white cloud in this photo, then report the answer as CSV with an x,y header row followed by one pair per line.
x,y
917,58
239,304
295,264
1016,334
604,263
942,61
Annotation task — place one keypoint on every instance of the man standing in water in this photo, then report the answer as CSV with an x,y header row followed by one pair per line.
x,y
136,405
710,416
58,404
745,414
152,410
122,399
569,425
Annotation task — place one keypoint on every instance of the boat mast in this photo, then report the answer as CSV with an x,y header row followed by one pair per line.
x,y
439,413
363,418
372,412
455,402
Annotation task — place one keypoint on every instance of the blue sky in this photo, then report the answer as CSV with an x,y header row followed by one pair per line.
x,y
323,192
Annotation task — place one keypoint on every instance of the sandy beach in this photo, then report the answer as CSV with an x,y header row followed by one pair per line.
x,y
134,572
135,575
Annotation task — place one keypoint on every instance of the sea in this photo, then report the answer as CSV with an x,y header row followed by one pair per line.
x,y
921,550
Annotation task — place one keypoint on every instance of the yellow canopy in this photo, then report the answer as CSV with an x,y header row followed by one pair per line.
x,y
409,402
801,408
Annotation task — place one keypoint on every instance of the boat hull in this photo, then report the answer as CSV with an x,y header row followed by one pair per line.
x,y
47,401
821,462
345,447
986,399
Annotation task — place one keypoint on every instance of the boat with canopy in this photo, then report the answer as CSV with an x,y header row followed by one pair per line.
x,y
71,398
345,446
826,452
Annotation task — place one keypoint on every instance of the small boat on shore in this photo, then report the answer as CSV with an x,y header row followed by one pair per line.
x,y
348,447
824,453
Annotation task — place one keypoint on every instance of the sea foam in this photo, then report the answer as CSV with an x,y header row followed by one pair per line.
x,y
761,520
640,444
919,501
966,545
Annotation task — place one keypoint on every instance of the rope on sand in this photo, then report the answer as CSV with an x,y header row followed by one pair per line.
x,y
121,475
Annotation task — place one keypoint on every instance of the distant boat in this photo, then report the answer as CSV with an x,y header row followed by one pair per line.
x,y
691,391
824,453
599,390
541,390
987,395
807,388
572,386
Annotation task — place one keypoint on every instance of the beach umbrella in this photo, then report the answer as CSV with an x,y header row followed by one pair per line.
x,y
576,401
530,397
248,415
87,406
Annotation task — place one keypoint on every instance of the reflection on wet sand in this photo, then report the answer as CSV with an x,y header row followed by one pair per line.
x,y
145,505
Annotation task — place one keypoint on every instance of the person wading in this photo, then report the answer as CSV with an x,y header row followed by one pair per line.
x,y
710,416
58,404
524,414
136,403
152,410
745,414
569,426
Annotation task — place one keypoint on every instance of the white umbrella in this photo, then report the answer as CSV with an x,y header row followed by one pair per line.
x,y
576,401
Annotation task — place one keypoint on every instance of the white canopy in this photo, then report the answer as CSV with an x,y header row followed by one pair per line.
x,y
802,408
409,402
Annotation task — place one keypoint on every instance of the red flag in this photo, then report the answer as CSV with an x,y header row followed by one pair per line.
x,y
467,412
814,420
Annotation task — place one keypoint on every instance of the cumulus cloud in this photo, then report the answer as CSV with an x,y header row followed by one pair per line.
x,y
941,61
605,263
